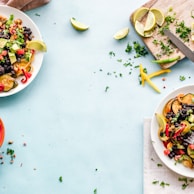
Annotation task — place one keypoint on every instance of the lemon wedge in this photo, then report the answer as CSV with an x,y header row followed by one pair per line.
x,y
121,33
161,121
150,21
159,16
37,45
140,13
139,27
78,25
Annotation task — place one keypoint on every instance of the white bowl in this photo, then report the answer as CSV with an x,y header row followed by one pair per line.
x,y
157,143
6,11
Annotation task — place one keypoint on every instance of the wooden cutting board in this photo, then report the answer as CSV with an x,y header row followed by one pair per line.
x,y
184,9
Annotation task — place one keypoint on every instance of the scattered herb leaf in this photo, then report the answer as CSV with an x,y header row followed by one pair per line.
x,y
106,89
163,184
129,48
182,78
111,53
95,191
159,165
61,179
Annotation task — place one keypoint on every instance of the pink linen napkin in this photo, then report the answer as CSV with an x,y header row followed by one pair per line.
x,y
24,5
158,179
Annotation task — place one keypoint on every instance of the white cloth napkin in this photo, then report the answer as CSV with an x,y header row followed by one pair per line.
x,y
156,171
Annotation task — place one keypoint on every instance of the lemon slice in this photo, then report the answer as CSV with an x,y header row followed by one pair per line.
x,y
121,33
37,45
150,21
139,27
161,121
140,13
78,25
159,16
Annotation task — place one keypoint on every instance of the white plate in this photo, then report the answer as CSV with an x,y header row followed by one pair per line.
x,y
7,11
157,143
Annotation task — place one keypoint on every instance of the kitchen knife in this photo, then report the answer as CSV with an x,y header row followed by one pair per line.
x,y
180,45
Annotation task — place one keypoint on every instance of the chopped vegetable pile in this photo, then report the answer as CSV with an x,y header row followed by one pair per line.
x,y
177,129
15,58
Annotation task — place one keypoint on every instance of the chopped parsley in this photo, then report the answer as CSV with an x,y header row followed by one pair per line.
x,y
182,78
140,50
95,191
162,183
185,182
61,179
129,48
112,54
155,182
183,31
167,49
106,89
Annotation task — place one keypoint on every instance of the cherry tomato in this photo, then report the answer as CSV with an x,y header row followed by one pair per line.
x,y
166,152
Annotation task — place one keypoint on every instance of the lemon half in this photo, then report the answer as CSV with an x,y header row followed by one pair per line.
x,y
121,33
37,45
78,25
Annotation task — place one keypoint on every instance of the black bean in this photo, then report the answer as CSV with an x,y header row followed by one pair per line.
x,y
2,70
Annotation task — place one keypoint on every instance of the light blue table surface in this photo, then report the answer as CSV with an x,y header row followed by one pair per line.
x,y
72,126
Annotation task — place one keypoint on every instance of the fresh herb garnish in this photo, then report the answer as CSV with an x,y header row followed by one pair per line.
x,y
185,182
106,89
182,78
163,184
140,50
111,53
183,31
167,49
61,179
155,182
159,165
129,48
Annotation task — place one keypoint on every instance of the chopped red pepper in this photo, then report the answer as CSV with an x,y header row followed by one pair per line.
x,y
2,87
4,52
20,51
27,76
32,51
167,130
181,152
179,131
191,146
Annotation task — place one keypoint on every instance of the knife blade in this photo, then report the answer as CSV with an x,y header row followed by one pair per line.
x,y
180,45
